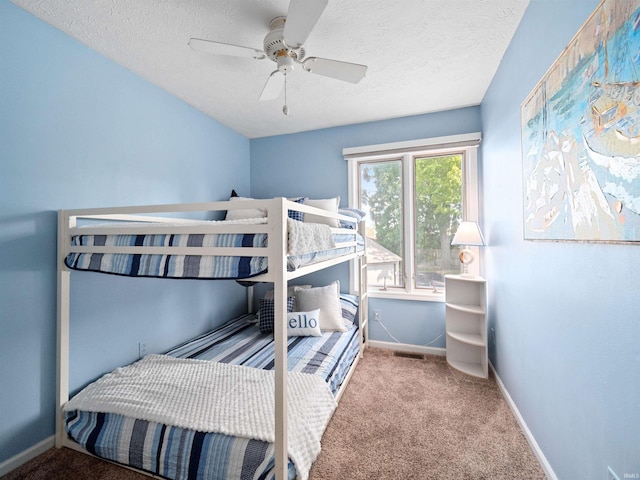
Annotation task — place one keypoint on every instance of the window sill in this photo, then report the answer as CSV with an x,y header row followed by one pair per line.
x,y
427,296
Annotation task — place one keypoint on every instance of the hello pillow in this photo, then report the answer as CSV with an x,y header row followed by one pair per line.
x,y
304,324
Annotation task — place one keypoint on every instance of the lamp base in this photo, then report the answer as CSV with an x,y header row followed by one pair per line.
x,y
469,275
466,257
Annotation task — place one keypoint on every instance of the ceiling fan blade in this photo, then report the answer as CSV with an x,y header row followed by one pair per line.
x,y
273,87
349,72
302,16
217,48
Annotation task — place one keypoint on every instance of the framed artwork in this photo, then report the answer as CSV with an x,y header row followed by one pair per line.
x,y
581,135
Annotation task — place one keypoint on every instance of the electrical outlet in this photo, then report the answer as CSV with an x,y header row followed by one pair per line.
x,y
376,315
611,475
142,349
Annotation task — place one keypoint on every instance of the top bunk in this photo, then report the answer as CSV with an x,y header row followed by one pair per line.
x,y
257,241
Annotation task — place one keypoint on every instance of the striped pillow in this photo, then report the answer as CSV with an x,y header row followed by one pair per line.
x,y
349,305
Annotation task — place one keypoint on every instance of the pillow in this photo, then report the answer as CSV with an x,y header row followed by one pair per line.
x,y
304,324
291,291
349,306
245,212
328,204
351,212
295,214
327,299
266,313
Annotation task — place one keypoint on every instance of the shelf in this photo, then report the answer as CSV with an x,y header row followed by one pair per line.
x,y
466,324
468,338
468,368
469,278
467,308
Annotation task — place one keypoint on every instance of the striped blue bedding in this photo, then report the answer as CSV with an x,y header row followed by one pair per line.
x,y
177,453
190,266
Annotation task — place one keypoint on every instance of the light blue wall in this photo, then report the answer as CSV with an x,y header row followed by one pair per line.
x,y
566,315
76,130
311,164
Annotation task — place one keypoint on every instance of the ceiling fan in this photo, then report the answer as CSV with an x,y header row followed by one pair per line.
x,y
284,45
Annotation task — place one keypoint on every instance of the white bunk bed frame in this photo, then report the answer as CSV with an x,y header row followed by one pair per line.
x,y
276,252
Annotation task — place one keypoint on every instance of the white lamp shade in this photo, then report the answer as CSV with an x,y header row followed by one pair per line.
x,y
468,234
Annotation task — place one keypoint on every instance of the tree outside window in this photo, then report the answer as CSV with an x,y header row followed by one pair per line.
x,y
434,192
438,211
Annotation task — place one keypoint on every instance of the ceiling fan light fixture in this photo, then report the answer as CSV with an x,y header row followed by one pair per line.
x,y
285,63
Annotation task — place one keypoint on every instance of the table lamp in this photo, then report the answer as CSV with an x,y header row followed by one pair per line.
x,y
468,234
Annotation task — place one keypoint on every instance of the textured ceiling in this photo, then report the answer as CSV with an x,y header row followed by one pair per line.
x,y
423,55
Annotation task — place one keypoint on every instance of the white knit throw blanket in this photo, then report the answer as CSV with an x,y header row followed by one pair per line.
x,y
215,397
308,237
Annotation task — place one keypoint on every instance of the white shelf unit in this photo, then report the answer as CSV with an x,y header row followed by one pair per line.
x,y
466,324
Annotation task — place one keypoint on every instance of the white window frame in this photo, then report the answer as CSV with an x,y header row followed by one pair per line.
x,y
466,144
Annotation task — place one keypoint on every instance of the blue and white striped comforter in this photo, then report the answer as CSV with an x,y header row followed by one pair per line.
x,y
190,266
177,453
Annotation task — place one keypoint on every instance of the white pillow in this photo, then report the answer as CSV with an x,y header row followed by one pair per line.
x,y
304,324
327,299
291,291
329,204
245,212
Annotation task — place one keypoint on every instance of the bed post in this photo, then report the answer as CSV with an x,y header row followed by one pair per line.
x,y
363,290
62,352
278,242
249,299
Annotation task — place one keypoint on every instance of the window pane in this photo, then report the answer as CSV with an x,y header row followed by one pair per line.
x,y
438,211
381,198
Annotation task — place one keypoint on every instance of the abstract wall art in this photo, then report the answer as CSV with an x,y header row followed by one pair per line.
x,y
581,135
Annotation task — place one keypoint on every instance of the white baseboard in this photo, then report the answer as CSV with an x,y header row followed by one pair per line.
x,y
405,347
26,455
525,430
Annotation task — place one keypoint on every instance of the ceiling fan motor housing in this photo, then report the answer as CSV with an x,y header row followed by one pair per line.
x,y
275,48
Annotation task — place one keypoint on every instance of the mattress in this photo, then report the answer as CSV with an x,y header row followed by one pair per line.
x,y
178,453
193,266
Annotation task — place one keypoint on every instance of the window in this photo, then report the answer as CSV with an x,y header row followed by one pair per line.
x,y
415,194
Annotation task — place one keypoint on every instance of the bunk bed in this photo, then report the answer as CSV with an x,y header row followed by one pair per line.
x,y
157,241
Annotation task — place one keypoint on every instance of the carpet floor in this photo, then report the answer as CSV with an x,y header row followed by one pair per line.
x,y
399,418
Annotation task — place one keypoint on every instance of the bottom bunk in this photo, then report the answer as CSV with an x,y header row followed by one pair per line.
x,y
177,450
